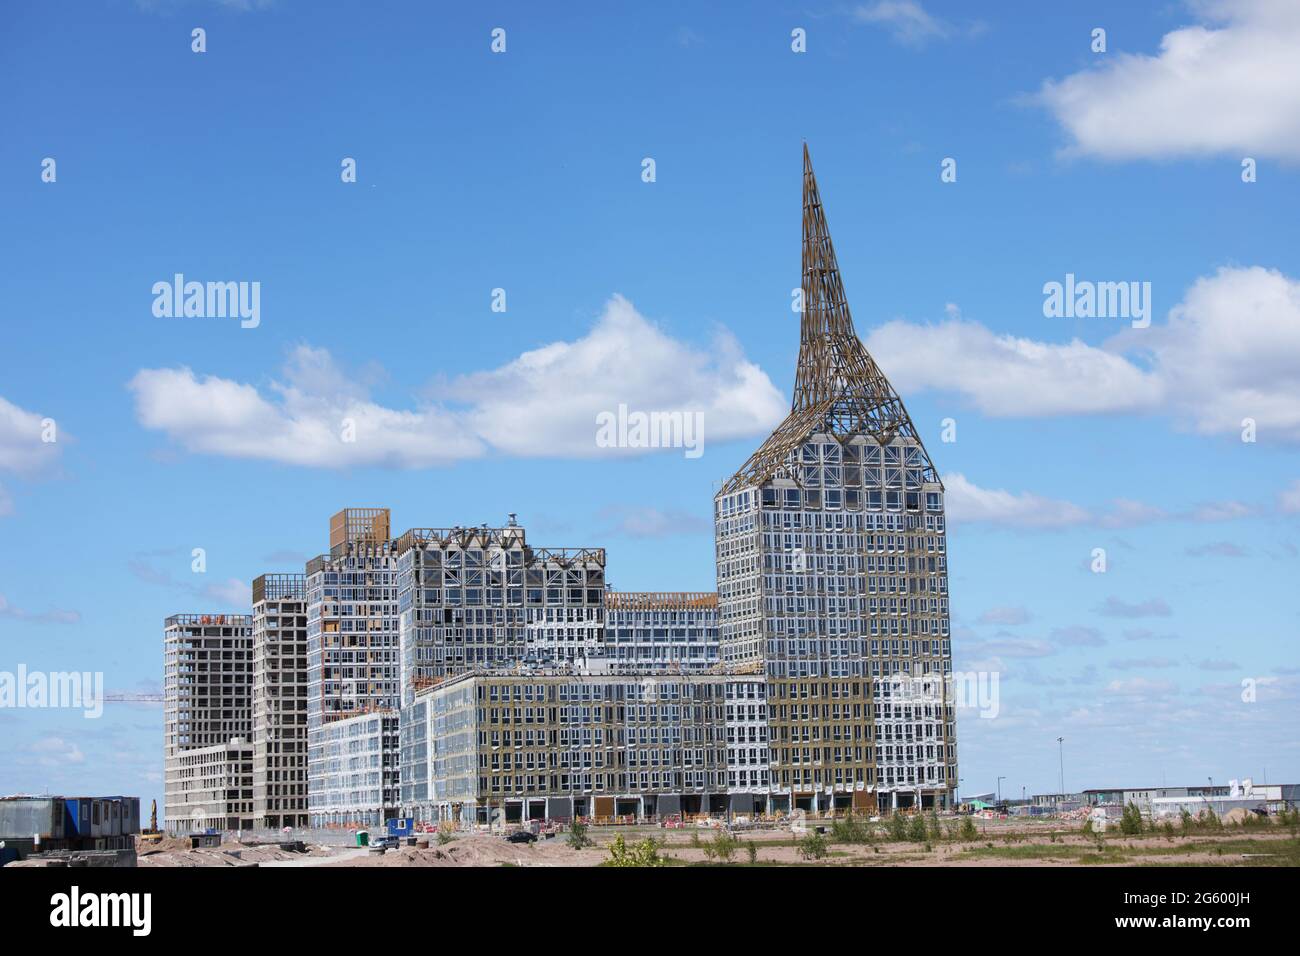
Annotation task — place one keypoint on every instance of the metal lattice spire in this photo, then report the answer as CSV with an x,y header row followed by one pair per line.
x,y
839,390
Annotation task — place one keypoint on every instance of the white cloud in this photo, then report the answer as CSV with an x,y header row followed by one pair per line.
x,y
543,403
965,502
907,20
231,591
1007,376
22,451
56,752
307,422
1230,350
968,503
1227,84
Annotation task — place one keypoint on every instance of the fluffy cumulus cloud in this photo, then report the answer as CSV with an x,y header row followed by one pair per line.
x,y
1229,351
314,417
969,503
543,403
1009,376
966,502
24,448
1229,83
546,401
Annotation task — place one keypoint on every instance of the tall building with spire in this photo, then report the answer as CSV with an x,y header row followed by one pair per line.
x,y
832,573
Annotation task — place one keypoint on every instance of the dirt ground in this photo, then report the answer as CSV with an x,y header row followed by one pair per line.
x,y
999,843
170,851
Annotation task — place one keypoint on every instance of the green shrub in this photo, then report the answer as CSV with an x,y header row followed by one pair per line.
x,y
578,838
936,828
644,853
812,846
851,829
897,827
967,830
722,847
916,830
1130,824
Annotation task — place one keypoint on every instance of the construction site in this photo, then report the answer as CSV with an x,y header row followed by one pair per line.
x,y
460,696
465,676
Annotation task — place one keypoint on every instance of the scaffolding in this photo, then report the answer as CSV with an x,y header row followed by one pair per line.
x,y
839,389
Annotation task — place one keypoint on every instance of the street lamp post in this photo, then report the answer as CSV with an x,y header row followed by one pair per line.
x,y
1060,743
1000,779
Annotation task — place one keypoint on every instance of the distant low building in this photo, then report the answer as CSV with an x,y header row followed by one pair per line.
x,y
30,824
1143,796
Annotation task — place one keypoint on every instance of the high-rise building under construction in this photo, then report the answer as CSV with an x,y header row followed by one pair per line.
x,y
832,573
353,672
464,675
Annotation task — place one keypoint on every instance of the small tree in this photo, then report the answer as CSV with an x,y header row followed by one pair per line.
x,y
967,830
936,828
752,851
813,846
897,827
1130,824
916,831
578,838
722,847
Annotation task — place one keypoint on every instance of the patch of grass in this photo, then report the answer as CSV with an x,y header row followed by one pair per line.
x,y
1227,852
1049,851
1278,852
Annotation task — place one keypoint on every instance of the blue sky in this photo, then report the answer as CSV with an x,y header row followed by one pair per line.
x,y
523,171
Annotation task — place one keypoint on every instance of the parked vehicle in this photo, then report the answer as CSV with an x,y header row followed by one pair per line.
x,y
522,836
